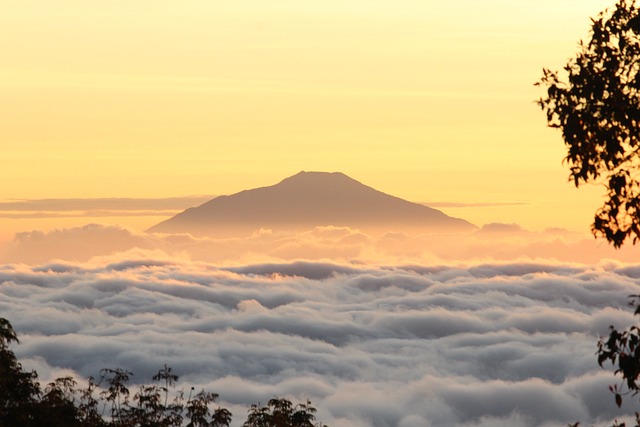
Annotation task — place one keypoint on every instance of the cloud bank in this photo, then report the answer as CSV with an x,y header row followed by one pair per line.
x,y
118,204
97,207
493,242
483,344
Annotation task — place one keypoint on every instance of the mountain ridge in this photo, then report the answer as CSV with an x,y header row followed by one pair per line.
x,y
305,200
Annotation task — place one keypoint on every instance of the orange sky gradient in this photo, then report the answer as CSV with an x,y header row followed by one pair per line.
x,y
430,101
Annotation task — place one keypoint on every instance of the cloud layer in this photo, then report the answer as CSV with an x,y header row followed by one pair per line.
x,y
493,344
501,242
102,204
97,207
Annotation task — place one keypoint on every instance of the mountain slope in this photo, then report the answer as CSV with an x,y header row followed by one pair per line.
x,y
305,200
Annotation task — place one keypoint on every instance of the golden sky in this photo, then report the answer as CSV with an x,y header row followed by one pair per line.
x,y
432,101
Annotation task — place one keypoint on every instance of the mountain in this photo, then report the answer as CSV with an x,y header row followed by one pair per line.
x,y
306,200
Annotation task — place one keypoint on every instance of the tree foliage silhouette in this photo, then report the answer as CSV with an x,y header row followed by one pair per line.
x,y
597,108
282,413
160,404
19,390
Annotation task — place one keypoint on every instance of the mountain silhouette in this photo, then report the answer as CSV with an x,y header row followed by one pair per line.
x,y
306,200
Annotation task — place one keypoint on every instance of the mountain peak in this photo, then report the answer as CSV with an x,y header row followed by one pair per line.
x,y
306,177
306,200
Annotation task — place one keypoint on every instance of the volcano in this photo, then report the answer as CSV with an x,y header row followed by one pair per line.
x,y
307,200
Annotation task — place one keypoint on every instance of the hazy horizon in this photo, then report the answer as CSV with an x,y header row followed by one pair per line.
x,y
84,236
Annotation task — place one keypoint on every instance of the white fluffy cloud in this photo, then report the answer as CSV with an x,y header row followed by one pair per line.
x,y
493,344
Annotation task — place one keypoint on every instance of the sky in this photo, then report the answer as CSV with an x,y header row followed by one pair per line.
x,y
427,100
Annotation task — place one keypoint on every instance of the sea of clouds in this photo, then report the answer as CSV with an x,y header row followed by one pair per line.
x,y
407,344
